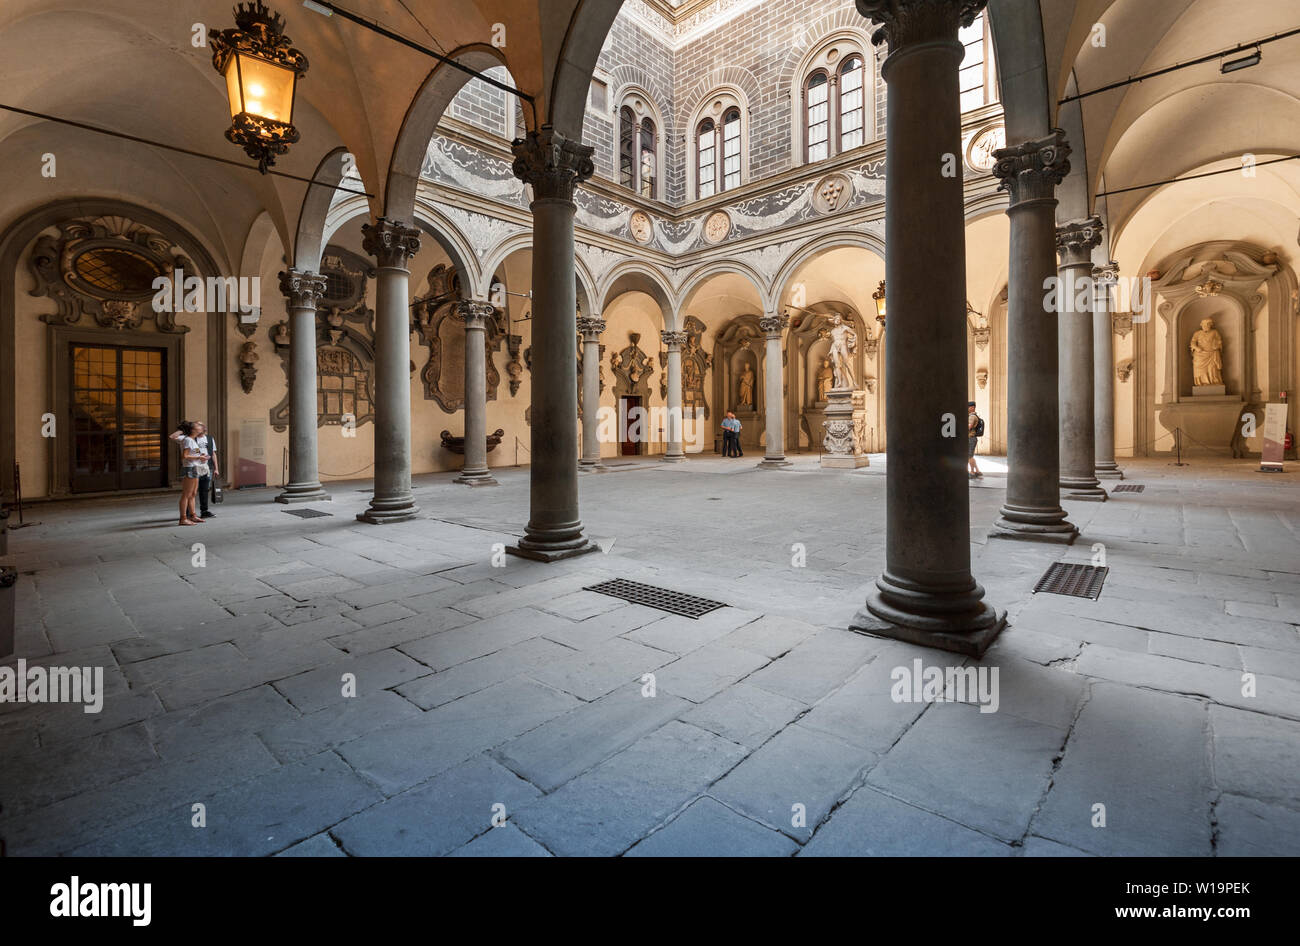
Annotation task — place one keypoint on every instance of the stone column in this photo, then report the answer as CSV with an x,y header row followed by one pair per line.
x,y
553,166
926,594
474,471
674,342
392,243
591,329
1030,172
1075,242
774,391
1103,375
302,292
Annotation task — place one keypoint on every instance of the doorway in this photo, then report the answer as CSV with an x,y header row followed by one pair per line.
x,y
118,408
631,425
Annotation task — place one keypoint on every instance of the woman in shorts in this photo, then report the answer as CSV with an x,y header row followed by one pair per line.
x,y
194,464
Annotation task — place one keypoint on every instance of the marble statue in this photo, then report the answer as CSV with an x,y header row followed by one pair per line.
x,y
1207,355
825,378
747,387
844,341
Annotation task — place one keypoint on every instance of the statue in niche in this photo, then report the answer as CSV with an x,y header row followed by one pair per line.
x,y
1207,355
844,342
747,387
825,378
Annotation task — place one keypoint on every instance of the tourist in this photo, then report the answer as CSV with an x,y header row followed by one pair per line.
x,y
207,480
733,444
974,431
193,464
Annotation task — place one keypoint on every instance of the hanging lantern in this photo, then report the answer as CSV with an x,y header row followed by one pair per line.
x,y
879,297
261,70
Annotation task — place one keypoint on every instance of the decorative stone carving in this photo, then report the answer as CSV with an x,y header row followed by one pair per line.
x,y
845,441
552,164
918,21
716,226
1121,323
106,267
640,227
1124,369
515,366
831,193
745,388
983,144
844,342
301,290
280,335
632,369
457,444
440,325
1031,170
1076,240
825,379
982,378
391,242
774,324
248,366
1207,357
1208,288
871,385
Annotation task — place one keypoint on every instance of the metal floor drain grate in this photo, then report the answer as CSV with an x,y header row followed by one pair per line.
x,y
308,513
1128,488
663,599
1070,578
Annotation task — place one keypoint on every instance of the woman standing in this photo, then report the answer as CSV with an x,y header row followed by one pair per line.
x,y
193,466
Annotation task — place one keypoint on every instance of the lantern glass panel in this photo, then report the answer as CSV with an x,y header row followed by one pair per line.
x,y
267,88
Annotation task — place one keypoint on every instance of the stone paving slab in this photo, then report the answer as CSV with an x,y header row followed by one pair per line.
x,y
607,810
710,829
871,824
505,841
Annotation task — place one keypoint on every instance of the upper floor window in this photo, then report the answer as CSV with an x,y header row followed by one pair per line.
x,y
978,77
837,101
719,153
638,151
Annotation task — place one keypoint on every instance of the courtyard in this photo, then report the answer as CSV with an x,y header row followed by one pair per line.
x,y
280,685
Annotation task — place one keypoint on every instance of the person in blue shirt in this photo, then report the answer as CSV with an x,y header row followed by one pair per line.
x,y
731,436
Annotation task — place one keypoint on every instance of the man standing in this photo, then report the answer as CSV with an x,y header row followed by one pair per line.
x,y
974,431
735,435
209,446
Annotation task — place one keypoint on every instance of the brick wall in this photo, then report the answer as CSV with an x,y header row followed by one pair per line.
x,y
484,106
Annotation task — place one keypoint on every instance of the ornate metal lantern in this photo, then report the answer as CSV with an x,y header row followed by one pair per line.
x,y
879,297
261,70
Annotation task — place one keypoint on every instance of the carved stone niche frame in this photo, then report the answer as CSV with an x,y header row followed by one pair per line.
x,y
442,332
105,267
632,369
345,346
696,363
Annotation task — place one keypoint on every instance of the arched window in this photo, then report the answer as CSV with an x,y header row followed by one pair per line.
x,y
646,171
817,118
731,149
706,145
626,147
851,112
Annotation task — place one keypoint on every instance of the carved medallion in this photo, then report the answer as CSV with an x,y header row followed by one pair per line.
x,y
979,153
642,229
831,193
717,226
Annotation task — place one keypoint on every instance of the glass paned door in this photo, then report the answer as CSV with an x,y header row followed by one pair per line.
x,y
118,408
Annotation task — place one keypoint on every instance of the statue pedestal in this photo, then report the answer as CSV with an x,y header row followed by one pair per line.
x,y
846,427
1199,390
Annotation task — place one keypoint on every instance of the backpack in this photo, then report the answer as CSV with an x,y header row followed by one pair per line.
x,y
979,426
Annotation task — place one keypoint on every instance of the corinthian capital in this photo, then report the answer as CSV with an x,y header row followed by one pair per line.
x,y
1032,169
674,340
553,164
390,242
1076,239
302,290
474,313
904,22
590,328
773,325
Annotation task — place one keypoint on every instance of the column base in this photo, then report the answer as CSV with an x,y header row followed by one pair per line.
x,y
837,462
550,544
1108,471
389,511
311,493
540,554
591,466
1083,488
1063,534
962,623
773,463
476,478
673,458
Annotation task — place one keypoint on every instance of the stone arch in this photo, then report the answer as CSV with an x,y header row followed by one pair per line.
x,y
310,237
571,77
1017,30
634,276
14,240
705,272
814,247
421,121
